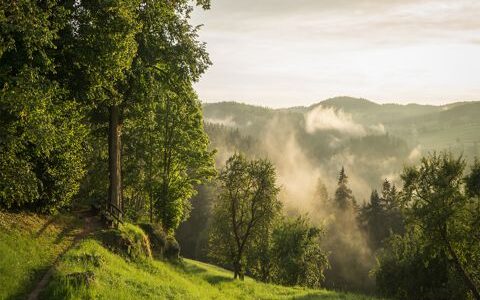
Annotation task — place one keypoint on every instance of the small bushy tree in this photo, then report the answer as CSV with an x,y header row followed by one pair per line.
x,y
297,256
247,202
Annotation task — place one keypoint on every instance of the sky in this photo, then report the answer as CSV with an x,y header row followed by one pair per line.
x,y
283,53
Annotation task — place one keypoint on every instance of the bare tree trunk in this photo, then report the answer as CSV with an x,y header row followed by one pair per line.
x,y
114,155
151,203
150,180
236,270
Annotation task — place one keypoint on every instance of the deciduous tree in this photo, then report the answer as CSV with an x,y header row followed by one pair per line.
x,y
247,201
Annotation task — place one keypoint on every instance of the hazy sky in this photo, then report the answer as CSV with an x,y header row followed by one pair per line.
x,y
283,53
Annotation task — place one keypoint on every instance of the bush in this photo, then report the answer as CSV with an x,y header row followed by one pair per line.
x,y
172,251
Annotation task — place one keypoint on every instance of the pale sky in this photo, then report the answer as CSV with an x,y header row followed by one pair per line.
x,y
282,53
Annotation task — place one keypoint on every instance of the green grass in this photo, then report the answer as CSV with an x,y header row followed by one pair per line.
x,y
117,278
29,244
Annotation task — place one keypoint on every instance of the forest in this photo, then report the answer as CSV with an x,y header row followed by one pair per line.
x,y
116,181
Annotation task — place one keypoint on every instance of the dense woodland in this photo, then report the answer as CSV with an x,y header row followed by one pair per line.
x,y
98,108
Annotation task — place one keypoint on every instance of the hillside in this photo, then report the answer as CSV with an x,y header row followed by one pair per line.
x,y
29,245
363,111
372,141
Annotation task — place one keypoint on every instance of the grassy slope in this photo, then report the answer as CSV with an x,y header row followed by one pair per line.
x,y
29,245
116,278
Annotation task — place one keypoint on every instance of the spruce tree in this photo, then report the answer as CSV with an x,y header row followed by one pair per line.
x,y
372,216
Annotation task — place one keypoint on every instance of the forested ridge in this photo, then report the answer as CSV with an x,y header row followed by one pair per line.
x,y
111,171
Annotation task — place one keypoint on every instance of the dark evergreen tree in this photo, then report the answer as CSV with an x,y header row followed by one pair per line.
x,y
381,216
372,218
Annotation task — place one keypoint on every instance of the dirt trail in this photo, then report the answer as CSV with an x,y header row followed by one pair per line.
x,y
90,224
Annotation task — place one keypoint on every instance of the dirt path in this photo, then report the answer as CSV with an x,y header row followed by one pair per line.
x,y
90,224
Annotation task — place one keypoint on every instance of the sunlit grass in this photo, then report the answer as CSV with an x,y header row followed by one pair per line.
x,y
30,243
117,278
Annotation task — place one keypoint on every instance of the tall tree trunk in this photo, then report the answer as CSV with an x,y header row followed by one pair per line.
x,y
114,155
237,268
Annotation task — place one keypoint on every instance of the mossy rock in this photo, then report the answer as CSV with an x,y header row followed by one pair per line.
x,y
129,240
163,246
158,239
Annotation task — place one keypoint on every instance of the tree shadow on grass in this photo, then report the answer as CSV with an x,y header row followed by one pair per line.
x,y
324,296
216,279
196,270
45,226
27,284
68,231
192,269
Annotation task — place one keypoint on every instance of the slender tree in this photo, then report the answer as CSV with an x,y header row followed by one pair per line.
x,y
166,149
